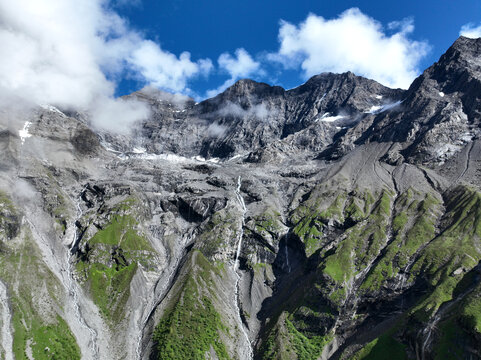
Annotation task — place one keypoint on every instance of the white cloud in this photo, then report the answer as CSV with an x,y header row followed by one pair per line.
x,y
66,53
471,31
216,130
352,42
118,114
178,100
165,70
240,66
259,111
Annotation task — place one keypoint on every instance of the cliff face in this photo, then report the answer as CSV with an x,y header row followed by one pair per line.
x,y
337,220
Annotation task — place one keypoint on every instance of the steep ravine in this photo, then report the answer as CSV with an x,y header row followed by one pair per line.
x,y
72,286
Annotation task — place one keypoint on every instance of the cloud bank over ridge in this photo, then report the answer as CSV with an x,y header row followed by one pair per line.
x,y
73,54
352,42
69,53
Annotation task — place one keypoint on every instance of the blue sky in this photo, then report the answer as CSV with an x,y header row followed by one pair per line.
x,y
208,28
84,55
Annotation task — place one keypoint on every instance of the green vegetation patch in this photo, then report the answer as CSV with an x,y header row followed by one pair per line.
x,y
408,235
109,287
312,215
218,233
309,231
191,327
453,253
269,221
9,218
46,341
306,348
471,312
34,296
121,232
286,341
111,261
382,348
360,244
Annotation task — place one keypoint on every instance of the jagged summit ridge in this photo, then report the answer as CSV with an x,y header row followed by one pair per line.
x,y
248,116
439,113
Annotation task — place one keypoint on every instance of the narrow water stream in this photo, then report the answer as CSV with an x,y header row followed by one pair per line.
x,y
242,204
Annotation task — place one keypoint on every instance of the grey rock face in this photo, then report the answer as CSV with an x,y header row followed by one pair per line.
x,y
333,221
438,116
252,117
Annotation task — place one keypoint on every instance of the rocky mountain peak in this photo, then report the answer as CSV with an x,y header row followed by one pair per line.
x,y
460,64
244,92
441,107
465,47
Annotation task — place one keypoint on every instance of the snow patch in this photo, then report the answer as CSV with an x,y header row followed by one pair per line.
x,y
107,146
235,157
376,109
139,150
327,118
167,157
378,97
441,94
52,109
447,149
140,153
23,133
202,159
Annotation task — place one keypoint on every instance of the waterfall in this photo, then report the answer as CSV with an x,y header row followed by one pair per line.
x,y
427,331
241,202
286,252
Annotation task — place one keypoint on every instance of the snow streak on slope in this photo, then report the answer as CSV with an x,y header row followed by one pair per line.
x,y
23,133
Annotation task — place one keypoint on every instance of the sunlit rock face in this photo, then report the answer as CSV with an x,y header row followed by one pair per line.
x,y
336,220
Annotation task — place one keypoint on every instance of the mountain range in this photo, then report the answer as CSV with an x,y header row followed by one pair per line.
x,y
337,220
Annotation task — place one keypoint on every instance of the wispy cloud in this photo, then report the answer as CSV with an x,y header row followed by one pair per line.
x,y
66,53
240,66
163,69
352,42
471,30
258,111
